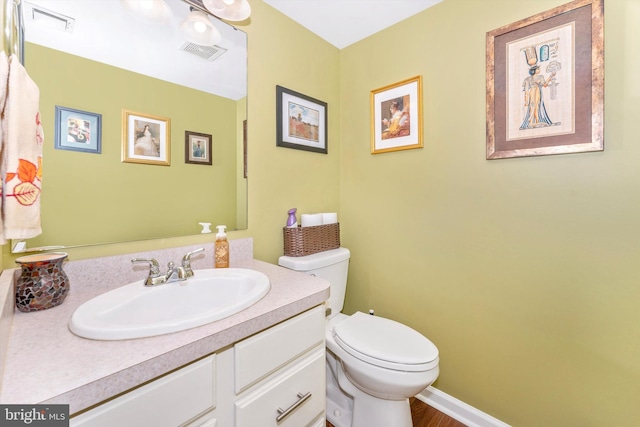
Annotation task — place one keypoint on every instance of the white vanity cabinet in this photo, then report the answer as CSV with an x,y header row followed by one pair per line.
x,y
273,378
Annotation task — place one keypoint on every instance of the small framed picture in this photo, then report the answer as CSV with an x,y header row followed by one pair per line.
x,y
396,116
301,121
197,148
146,139
78,130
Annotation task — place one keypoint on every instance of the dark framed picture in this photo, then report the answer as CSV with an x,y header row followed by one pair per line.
x,y
301,121
545,83
78,130
197,148
396,116
146,139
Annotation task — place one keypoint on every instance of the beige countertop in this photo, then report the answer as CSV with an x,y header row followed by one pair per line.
x,y
46,363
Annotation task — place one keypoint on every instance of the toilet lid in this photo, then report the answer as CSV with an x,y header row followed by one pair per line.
x,y
385,343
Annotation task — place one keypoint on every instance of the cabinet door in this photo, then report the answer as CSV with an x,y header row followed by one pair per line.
x,y
295,398
264,353
169,401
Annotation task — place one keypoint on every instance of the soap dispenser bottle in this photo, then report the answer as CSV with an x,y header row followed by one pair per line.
x,y
221,248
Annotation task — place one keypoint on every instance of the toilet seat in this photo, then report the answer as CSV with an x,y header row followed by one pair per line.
x,y
385,343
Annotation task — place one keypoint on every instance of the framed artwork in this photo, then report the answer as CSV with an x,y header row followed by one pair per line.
x,y
197,148
301,121
396,116
78,130
146,139
545,83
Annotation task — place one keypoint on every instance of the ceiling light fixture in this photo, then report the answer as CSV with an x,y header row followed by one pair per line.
x,y
198,29
229,10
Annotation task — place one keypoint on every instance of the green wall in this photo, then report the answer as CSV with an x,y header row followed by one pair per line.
x,y
524,272
521,271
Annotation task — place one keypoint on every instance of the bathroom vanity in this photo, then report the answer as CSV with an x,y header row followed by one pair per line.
x,y
260,367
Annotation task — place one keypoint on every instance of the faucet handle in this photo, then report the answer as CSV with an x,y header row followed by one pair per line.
x,y
154,266
186,262
154,270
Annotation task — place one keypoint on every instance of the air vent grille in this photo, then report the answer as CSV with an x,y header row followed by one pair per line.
x,y
210,53
50,18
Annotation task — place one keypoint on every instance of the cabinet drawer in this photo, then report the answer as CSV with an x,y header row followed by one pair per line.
x,y
286,393
258,356
169,401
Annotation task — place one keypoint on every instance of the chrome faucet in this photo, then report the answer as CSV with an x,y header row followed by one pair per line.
x,y
186,263
173,273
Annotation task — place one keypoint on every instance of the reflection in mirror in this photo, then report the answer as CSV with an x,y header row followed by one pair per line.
x,y
93,57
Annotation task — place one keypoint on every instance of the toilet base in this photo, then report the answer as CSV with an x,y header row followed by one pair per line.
x,y
339,408
381,413
339,411
364,410
371,411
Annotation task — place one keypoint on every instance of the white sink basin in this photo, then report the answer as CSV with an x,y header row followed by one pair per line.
x,y
136,311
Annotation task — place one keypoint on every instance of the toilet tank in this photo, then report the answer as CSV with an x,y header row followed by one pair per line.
x,y
332,265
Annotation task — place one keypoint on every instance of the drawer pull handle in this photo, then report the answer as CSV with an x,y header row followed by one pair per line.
x,y
284,413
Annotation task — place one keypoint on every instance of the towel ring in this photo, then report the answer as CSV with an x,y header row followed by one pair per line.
x,y
13,28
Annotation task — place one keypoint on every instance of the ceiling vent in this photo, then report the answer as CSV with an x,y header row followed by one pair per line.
x,y
210,53
50,18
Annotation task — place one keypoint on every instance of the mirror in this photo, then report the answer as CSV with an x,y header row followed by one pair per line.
x,y
94,58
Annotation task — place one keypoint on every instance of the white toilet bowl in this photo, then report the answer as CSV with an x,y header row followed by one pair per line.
x,y
374,366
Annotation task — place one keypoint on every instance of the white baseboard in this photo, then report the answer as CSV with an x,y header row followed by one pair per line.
x,y
466,414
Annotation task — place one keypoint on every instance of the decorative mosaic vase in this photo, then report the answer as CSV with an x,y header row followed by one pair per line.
x,y
43,283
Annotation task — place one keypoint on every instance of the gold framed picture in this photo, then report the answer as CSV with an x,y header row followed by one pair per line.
x,y
396,116
146,139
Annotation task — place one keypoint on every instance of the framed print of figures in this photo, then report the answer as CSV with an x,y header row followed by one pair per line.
x,y
545,83
301,121
197,148
145,139
396,116
77,130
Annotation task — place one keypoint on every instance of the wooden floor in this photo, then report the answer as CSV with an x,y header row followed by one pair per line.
x,y
425,416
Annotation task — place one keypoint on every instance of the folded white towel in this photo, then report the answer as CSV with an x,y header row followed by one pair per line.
x,y
21,155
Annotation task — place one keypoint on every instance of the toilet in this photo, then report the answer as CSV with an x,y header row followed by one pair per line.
x,y
374,364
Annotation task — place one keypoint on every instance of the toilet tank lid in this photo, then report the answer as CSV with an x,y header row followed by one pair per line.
x,y
314,261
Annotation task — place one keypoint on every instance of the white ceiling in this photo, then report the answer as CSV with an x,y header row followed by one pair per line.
x,y
344,22
104,32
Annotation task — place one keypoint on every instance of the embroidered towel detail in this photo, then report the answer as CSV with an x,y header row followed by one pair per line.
x,y
21,156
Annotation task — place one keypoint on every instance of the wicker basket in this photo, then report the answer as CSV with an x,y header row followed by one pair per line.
x,y
303,241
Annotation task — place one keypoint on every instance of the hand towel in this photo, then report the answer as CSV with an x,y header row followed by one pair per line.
x,y
21,155
4,84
